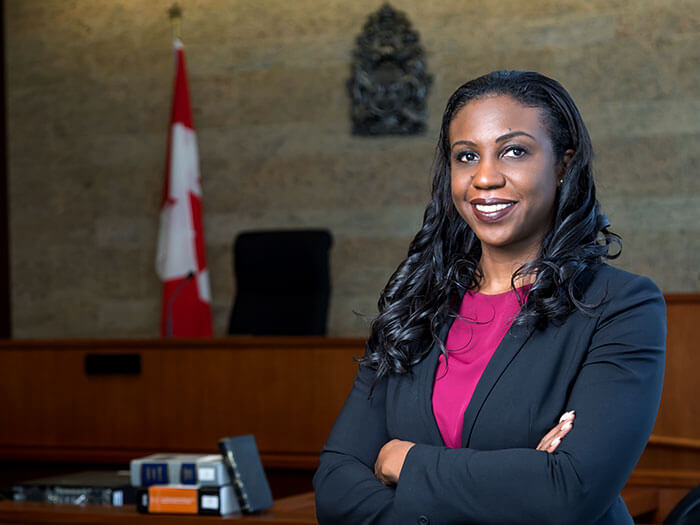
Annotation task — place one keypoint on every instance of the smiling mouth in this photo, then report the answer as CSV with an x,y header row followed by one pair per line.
x,y
490,212
492,208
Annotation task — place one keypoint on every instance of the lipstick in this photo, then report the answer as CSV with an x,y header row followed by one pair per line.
x,y
491,210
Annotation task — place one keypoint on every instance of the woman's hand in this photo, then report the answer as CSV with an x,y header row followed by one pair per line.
x,y
550,442
390,460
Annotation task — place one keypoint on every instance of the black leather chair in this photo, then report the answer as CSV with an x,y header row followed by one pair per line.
x,y
282,282
687,512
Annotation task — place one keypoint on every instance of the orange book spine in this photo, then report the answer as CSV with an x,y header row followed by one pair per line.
x,y
181,500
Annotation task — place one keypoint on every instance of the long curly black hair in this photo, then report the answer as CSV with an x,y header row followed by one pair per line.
x,y
443,258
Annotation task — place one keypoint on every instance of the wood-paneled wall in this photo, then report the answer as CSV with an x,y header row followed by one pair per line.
x,y
675,441
286,391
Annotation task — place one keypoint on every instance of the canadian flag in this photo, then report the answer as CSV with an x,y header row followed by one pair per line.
x,y
180,261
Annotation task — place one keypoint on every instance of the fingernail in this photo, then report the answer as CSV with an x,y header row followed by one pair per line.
x,y
566,427
555,442
567,415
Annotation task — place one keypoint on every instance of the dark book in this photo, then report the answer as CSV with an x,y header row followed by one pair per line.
x,y
106,487
246,471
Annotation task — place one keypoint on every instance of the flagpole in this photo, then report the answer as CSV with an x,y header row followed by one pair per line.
x,y
180,257
175,15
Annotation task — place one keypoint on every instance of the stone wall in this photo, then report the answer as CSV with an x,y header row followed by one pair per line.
x,y
88,95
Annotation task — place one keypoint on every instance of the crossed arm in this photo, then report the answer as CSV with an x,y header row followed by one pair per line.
x,y
387,468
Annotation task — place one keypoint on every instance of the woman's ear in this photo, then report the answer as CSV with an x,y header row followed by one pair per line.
x,y
566,158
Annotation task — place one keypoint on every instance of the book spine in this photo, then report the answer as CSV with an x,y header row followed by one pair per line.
x,y
142,499
235,474
154,474
171,471
218,500
213,474
158,499
73,495
247,472
164,499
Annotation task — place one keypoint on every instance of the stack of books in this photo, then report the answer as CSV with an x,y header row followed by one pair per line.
x,y
218,484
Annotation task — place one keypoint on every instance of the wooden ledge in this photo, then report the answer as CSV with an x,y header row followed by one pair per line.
x,y
223,343
665,478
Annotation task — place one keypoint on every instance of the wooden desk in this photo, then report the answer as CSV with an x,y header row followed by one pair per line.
x,y
295,510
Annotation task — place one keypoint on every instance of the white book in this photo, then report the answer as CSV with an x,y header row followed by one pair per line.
x,y
179,469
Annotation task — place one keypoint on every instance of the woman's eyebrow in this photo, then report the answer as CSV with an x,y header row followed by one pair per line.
x,y
465,142
499,139
513,134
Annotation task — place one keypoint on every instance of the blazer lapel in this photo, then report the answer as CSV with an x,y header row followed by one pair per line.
x,y
427,381
509,347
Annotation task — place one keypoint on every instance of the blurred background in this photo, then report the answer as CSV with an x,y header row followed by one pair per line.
x,y
88,93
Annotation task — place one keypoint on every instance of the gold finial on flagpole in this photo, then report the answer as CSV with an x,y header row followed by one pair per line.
x,y
175,15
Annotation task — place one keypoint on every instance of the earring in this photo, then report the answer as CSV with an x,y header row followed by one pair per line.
x,y
561,181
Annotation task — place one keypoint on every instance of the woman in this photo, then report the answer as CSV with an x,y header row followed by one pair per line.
x,y
503,317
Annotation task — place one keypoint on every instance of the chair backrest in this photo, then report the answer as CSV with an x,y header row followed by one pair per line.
x,y
687,512
282,282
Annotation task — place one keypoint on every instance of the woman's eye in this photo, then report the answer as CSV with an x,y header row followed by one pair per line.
x,y
514,152
467,156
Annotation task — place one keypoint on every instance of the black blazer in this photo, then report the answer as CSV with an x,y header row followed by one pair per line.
x,y
608,367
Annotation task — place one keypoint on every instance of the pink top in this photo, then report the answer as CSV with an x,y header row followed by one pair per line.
x,y
470,346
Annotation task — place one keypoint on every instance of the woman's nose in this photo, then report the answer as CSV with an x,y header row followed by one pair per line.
x,y
488,176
